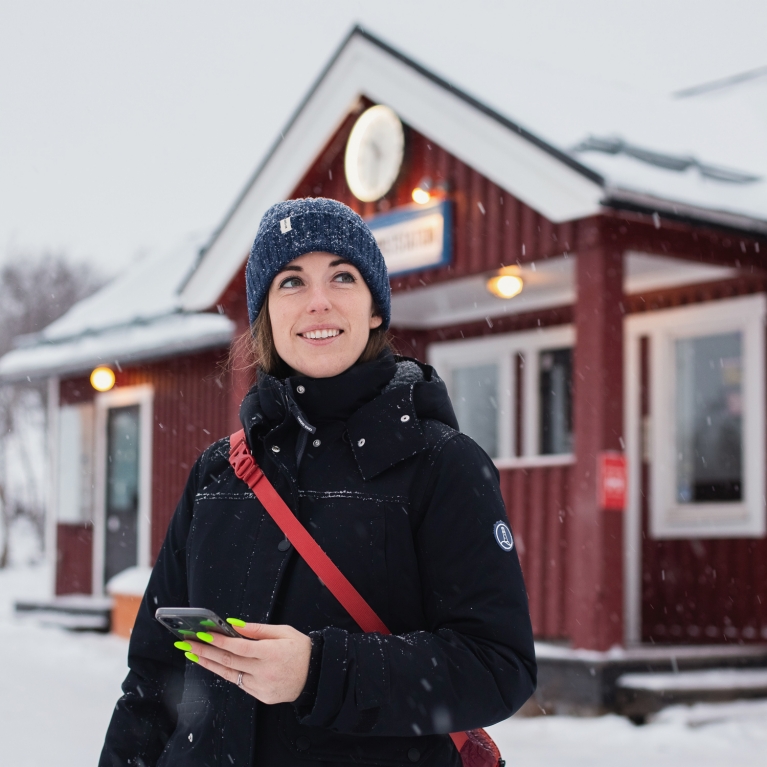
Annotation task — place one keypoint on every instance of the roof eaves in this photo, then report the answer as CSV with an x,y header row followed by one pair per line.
x,y
639,202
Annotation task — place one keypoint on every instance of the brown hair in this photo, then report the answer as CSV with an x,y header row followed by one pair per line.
x,y
255,347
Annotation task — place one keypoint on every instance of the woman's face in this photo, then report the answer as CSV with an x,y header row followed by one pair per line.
x,y
321,313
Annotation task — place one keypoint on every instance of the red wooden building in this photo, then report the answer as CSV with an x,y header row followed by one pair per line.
x,y
637,338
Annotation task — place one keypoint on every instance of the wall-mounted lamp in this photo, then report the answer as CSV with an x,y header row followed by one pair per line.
x,y
427,190
506,284
422,193
102,379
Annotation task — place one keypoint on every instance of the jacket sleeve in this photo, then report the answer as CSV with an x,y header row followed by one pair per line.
x,y
145,716
475,663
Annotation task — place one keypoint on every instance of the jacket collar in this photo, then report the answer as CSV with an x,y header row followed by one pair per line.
x,y
381,402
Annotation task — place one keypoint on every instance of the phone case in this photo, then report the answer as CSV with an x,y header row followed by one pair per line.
x,y
185,622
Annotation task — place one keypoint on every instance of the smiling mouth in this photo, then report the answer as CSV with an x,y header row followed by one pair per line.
x,y
317,334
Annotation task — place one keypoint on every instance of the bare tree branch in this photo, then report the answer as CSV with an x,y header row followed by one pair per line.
x,y
34,291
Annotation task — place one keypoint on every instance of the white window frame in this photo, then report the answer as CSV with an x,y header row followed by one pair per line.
x,y
502,349
143,396
669,519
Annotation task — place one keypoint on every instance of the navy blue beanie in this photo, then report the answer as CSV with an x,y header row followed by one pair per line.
x,y
294,227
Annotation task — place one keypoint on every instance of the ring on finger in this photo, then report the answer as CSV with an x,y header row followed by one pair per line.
x,y
239,679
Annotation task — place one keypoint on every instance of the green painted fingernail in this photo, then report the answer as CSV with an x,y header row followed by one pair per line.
x,y
236,622
182,645
209,624
204,637
192,657
187,632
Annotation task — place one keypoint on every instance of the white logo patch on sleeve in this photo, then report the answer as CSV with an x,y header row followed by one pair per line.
x,y
503,536
285,225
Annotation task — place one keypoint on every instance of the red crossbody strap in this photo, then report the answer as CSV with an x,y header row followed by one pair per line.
x,y
352,601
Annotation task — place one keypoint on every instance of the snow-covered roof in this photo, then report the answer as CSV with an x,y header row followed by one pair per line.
x,y
721,127
562,144
137,316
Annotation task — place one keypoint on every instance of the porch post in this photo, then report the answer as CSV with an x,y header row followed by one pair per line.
x,y
595,557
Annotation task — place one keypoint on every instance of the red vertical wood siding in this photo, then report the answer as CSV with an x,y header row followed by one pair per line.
x,y
537,503
191,410
74,558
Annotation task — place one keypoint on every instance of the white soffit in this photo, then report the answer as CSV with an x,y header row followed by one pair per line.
x,y
529,172
645,272
548,284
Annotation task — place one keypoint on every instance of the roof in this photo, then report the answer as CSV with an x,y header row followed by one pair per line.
x,y
562,144
136,317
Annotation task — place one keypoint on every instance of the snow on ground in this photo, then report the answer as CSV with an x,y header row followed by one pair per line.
x,y
58,689
698,736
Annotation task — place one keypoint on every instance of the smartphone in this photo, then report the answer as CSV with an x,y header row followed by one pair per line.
x,y
185,622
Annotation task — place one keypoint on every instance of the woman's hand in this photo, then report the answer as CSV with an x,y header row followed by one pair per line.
x,y
274,668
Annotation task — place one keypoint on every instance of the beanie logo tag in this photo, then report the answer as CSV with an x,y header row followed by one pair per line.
x,y
285,226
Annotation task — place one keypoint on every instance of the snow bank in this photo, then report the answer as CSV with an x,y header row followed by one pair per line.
x,y
131,582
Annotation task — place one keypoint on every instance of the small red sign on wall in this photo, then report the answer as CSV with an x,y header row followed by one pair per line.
x,y
611,475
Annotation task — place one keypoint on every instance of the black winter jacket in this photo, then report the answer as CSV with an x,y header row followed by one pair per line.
x,y
406,506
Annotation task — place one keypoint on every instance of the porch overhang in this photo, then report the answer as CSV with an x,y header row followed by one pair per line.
x,y
547,283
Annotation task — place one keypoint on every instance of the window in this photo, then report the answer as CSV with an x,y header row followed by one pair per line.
x,y
555,384
704,437
512,393
75,464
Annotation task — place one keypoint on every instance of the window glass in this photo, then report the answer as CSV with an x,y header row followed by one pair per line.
x,y
121,540
555,383
475,400
75,459
709,419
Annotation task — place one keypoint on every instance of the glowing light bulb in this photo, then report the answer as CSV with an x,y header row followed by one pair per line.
x,y
505,285
421,196
102,379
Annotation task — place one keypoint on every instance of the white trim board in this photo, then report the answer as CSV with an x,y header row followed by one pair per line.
x,y
483,141
142,395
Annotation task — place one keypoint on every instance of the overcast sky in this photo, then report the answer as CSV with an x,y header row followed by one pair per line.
x,y
124,126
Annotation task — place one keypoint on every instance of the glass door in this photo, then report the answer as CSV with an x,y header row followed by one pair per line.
x,y
122,490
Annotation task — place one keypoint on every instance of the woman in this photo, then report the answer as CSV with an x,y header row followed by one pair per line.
x,y
363,446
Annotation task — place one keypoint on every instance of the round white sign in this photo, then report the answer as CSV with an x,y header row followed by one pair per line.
x,y
374,153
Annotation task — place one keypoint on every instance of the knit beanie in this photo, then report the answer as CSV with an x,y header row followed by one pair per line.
x,y
294,227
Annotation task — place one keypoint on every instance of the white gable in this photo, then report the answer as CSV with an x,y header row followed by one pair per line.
x,y
548,164
528,171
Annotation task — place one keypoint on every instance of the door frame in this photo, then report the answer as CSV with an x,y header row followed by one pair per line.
x,y
143,396
746,309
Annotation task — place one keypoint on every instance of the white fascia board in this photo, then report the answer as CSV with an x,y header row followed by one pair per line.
x,y
529,172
